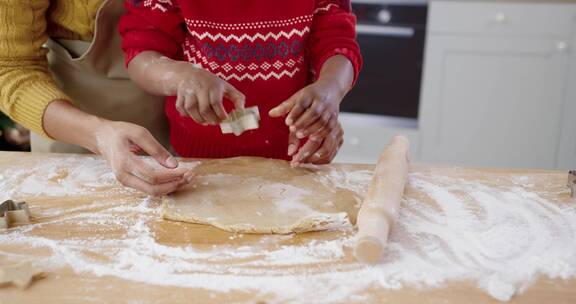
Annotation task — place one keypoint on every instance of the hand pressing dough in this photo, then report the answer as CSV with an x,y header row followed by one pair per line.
x,y
257,195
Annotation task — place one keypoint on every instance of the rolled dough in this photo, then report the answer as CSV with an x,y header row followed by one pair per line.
x,y
258,195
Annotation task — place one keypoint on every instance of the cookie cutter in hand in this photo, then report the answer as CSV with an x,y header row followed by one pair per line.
x,y
13,213
572,183
241,120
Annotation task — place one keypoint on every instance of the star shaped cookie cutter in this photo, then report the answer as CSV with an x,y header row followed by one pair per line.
x,y
241,120
13,213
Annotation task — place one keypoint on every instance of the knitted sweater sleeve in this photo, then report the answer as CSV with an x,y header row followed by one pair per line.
x,y
333,32
152,25
26,86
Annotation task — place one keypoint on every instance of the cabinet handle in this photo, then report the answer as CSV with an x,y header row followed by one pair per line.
x,y
562,46
384,16
385,31
501,18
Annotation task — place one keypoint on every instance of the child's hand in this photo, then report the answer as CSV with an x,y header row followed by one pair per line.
x,y
321,150
199,94
313,112
311,109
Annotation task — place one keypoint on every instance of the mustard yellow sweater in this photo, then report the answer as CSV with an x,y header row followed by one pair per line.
x,y
26,87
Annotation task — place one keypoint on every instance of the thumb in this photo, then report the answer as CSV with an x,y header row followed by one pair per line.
x,y
283,108
237,98
149,144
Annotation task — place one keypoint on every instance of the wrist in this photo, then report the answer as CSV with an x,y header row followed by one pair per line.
x,y
64,122
339,71
171,74
334,87
157,74
96,131
181,74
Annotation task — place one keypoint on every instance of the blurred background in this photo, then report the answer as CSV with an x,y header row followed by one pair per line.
x,y
469,82
13,137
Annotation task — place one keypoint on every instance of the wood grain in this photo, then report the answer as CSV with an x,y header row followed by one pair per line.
x,y
65,286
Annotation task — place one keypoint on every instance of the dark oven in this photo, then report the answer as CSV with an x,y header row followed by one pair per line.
x,y
391,35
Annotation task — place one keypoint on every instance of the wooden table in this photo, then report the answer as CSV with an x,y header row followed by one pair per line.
x,y
63,285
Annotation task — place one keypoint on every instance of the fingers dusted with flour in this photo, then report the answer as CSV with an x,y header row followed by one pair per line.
x,y
293,144
117,141
309,110
312,112
199,93
149,145
321,151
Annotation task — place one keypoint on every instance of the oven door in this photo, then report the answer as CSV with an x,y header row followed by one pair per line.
x,y
389,83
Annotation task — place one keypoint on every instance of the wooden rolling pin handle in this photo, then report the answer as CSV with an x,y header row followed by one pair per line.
x,y
379,211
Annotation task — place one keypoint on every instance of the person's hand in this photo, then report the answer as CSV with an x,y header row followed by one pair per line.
x,y
118,143
313,112
200,94
317,150
312,109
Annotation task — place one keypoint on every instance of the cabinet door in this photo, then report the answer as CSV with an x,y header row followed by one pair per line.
x,y
365,136
493,101
567,146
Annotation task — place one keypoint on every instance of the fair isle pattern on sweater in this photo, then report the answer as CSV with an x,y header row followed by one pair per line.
x,y
268,50
251,56
264,50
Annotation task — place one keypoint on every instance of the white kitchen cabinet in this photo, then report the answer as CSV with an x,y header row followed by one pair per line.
x,y
365,136
501,18
497,85
567,145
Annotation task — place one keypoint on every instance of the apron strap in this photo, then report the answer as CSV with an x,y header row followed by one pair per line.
x,y
94,76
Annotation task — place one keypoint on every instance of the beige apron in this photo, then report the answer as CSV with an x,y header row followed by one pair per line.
x,y
94,77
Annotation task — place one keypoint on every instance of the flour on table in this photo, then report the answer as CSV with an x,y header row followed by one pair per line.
x,y
500,238
69,176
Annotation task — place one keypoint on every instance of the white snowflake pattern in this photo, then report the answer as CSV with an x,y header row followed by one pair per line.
x,y
265,66
252,66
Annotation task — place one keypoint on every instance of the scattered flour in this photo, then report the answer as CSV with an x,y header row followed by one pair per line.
x,y
285,197
356,181
499,238
70,176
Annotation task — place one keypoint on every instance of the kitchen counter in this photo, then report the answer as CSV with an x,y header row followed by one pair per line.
x,y
74,203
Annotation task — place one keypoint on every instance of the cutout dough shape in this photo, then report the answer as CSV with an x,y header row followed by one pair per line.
x,y
21,274
258,195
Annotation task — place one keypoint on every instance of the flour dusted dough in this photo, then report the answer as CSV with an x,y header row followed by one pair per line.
x,y
257,195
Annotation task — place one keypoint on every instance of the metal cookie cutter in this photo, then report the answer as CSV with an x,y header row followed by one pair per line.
x,y
572,182
12,212
241,120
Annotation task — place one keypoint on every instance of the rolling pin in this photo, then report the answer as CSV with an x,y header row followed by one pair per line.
x,y
379,211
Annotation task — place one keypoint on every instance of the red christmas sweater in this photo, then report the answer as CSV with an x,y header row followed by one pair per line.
x,y
266,49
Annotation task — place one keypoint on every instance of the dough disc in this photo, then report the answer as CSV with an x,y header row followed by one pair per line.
x,y
258,195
